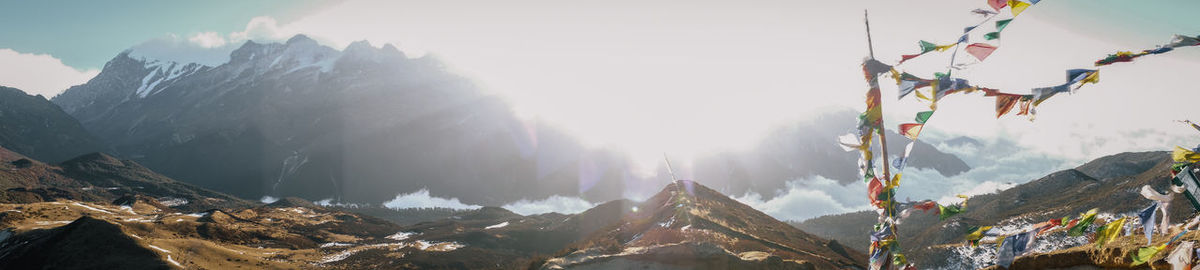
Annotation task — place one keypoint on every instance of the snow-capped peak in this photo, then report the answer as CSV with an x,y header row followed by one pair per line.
x,y
163,71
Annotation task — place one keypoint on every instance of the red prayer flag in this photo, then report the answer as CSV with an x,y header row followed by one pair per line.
x,y
873,190
1005,103
980,50
925,206
1025,101
906,57
998,4
911,130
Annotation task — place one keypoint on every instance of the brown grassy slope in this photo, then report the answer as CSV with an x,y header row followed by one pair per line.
x,y
689,215
98,177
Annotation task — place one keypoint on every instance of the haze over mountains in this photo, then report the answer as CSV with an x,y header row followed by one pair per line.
x,y
366,123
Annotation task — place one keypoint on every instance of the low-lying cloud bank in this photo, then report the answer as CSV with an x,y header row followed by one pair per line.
x,y
997,165
809,198
557,204
422,199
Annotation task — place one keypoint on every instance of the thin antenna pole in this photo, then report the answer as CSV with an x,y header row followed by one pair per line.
x,y
870,48
669,168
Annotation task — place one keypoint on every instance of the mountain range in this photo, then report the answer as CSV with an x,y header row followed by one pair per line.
x,y
63,216
39,128
366,123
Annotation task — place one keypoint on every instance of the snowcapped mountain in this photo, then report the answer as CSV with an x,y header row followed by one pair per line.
x,y
302,119
366,123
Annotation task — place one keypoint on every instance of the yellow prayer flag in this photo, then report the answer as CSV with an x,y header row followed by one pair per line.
x,y
946,47
922,96
1183,155
1109,232
978,234
1093,77
894,183
1017,7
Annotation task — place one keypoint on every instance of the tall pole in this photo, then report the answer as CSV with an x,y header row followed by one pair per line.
x,y
870,49
887,175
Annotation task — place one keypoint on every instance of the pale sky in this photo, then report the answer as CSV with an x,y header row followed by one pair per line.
x,y
689,77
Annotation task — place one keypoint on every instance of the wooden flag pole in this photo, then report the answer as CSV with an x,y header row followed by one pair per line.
x,y
887,175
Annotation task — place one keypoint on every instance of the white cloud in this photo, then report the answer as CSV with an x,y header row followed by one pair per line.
x,y
208,39
197,49
262,29
998,164
422,199
39,74
268,199
555,203
809,198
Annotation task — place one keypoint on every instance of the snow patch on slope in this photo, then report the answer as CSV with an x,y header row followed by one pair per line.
x,y
163,71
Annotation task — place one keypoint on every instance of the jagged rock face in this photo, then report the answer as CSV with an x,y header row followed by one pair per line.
x,y
37,128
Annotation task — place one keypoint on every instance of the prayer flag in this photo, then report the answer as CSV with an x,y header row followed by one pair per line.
x,y
1143,255
1026,100
1084,221
1183,155
980,50
875,191
911,130
997,4
947,211
922,117
1109,231
1017,7
925,206
1001,24
1183,41
1077,75
983,12
1005,103
1146,216
992,35
927,46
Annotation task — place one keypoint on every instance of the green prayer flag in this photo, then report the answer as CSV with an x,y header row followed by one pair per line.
x,y
1082,225
992,35
1001,24
923,116
1178,166
926,46
940,75
1143,255
898,259
947,211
